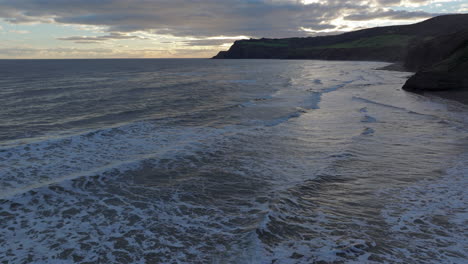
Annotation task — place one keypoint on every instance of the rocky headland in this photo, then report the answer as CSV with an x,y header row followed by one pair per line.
x,y
436,49
442,67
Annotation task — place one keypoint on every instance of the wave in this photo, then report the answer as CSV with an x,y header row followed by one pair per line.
x,y
32,165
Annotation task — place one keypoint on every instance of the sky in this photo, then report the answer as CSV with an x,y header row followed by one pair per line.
x,y
187,28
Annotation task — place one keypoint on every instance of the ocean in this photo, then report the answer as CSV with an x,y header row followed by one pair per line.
x,y
227,161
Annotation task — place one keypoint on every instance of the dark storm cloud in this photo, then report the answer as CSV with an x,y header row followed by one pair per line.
x,y
398,2
201,18
389,2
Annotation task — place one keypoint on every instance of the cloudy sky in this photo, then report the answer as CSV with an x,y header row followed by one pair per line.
x,y
187,28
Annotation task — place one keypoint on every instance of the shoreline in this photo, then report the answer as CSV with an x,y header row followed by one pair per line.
x,y
459,96
396,66
435,50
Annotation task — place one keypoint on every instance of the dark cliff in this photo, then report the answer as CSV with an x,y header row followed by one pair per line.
x,y
390,44
432,51
442,66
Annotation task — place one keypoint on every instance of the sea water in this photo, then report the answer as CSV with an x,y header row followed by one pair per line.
x,y
227,161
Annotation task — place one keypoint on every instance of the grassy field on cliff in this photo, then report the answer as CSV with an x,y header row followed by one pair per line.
x,y
372,42
369,42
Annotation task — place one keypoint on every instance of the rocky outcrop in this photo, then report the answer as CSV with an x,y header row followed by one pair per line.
x,y
448,74
432,81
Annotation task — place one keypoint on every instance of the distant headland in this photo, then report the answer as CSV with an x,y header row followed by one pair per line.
x,y
436,49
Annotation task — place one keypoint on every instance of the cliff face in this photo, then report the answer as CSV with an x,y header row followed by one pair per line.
x,y
370,48
432,51
390,53
390,44
447,74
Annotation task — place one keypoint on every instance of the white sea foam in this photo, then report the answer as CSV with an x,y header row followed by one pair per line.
x,y
430,218
30,166
298,179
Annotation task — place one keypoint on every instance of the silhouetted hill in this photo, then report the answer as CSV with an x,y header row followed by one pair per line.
x,y
390,43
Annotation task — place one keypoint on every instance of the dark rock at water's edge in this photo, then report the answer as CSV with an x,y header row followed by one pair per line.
x,y
443,67
431,81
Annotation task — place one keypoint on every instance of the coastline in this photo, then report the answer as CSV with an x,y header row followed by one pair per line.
x,y
397,66
435,51
460,96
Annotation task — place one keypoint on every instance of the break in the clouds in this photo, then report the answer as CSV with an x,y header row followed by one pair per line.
x,y
176,25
